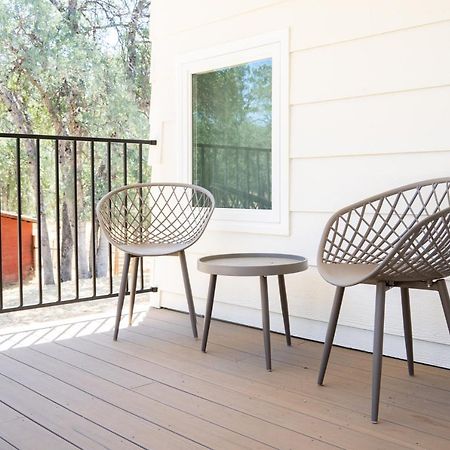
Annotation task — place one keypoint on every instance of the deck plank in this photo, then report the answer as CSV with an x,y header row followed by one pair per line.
x,y
288,378
155,389
246,336
25,433
429,400
306,411
56,417
129,427
6,445
248,425
116,397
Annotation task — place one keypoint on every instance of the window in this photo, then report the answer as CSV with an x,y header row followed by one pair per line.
x,y
234,131
232,134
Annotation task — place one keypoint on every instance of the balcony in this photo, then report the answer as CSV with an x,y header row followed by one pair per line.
x,y
71,386
154,385
287,111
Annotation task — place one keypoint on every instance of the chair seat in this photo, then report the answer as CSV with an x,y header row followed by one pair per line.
x,y
346,274
153,249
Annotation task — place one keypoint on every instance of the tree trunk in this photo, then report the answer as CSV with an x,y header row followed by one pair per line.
x,y
83,268
46,253
101,262
17,109
67,214
100,247
66,245
83,262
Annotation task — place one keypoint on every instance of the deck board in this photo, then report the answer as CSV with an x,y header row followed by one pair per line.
x,y
155,389
290,383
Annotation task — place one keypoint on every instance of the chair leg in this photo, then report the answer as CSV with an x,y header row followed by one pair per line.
x,y
188,290
134,273
209,307
331,330
284,308
445,300
378,349
123,288
407,327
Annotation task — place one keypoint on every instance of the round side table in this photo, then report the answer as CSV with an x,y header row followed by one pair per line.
x,y
247,265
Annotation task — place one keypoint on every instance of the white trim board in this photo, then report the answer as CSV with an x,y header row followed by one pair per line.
x,y
273,45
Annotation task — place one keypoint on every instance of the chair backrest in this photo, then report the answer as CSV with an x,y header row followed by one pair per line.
x,y
367,231
155,213
423,254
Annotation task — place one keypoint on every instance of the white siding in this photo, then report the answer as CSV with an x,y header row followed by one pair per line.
x,y
370,110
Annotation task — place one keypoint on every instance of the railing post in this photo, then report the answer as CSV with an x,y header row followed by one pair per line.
x,y
19,220
38,208
58,221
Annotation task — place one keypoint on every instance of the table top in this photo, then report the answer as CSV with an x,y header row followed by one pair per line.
x,y
252,264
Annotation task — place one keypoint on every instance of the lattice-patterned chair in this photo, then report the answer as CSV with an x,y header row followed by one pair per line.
x,y
400,238
154,219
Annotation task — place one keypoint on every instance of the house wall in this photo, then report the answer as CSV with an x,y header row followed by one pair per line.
x,y
369,110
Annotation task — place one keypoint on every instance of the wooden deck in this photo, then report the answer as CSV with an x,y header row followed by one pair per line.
x,y
155,389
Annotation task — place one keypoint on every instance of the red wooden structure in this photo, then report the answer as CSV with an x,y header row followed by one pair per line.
x,y
10,247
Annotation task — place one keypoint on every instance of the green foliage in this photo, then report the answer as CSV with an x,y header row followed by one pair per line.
x,y
82,71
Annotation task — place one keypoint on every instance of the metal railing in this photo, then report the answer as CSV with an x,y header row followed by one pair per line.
x,y
238,177
58,181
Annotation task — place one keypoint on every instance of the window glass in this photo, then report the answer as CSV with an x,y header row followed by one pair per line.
x,y
232,134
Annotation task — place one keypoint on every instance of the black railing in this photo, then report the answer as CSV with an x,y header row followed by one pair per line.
x,y
55,182
238,177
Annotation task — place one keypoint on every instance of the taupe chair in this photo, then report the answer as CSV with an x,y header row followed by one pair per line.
x,y
154,219
400,238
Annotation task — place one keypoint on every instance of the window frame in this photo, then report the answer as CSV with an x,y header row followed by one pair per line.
x,y
275,46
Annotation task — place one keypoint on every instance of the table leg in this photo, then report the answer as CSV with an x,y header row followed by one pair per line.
x,y
266,321
284,308
209,307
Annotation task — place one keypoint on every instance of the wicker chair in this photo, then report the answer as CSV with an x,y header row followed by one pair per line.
x,y
400,238
154,220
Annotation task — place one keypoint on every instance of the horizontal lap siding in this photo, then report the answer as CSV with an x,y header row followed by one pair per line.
x,y
404,60
369,110
327,184
378,124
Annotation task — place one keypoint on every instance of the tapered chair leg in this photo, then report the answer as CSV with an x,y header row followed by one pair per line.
x,y
188,290
284,308
331,330
407,327
123,288
134,273
445,300
378,349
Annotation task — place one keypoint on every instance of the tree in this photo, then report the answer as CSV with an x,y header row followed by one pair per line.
x,y
21,119
76,67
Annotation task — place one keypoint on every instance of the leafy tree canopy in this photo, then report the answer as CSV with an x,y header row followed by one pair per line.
x,y
79,66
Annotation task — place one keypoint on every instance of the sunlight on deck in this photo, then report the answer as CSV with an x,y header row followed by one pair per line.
x,y
73,329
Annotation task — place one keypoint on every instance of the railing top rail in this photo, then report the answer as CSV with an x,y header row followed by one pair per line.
x,y
77,138
263,149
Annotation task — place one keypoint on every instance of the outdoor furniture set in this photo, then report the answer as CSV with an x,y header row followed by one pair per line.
x,y
400,238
